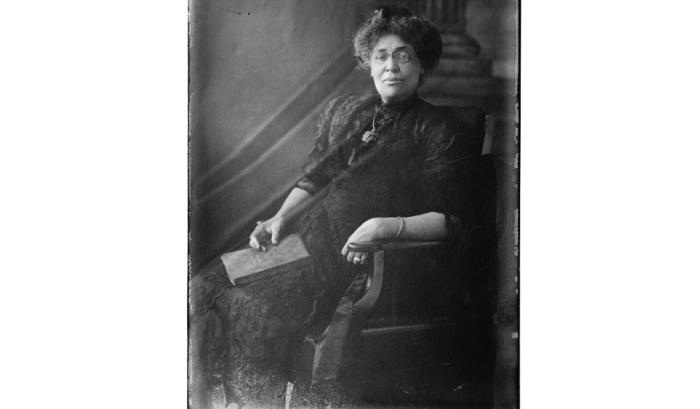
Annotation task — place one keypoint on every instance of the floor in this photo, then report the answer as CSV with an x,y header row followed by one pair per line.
x,y
426,388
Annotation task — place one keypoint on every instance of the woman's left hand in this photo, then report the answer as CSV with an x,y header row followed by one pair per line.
x,y
372,229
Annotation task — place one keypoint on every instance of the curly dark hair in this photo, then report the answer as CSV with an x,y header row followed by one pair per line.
x,y
413,29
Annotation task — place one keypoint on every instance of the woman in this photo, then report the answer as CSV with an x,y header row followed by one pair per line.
x,y
383,166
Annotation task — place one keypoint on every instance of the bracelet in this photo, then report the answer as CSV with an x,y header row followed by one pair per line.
x,y
403,223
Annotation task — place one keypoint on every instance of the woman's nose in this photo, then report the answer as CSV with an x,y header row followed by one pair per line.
x,y
392,65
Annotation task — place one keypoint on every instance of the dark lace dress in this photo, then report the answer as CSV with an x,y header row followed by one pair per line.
x,y
414,166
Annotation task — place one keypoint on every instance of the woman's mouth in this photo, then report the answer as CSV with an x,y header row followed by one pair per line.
x,y
392,81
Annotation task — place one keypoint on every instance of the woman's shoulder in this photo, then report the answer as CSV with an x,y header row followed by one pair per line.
x,y
433,117
438,114
462,118
441,124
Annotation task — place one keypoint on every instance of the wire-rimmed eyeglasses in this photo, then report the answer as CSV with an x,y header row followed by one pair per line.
x,y
400,56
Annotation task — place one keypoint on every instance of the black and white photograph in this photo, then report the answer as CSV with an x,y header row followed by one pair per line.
x,y
353,204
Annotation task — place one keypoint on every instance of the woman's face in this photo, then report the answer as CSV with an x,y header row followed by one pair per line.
x,y
395,68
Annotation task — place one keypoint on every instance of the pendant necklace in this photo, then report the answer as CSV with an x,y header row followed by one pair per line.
x,y
371,136
367,138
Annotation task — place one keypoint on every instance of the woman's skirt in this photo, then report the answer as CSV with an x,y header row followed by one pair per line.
x,y
243,332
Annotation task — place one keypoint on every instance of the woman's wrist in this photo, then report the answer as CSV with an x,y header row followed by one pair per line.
x,y
388,227
279,218
280,215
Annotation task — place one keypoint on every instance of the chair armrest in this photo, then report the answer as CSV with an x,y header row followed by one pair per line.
x,y
374,246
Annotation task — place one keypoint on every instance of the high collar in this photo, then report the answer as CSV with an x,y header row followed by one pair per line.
x,y
398,107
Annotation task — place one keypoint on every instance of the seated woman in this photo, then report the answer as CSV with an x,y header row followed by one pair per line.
x,y
388,165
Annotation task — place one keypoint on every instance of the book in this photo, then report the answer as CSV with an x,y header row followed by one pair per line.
x,y
244,266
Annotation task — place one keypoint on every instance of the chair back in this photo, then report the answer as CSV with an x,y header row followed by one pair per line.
x,y
473,121
474,265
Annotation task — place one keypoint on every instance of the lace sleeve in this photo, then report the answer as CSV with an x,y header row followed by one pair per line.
x,y
316,170
446,175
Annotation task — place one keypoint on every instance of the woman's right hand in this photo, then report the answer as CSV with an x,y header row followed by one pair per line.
x,y
266,232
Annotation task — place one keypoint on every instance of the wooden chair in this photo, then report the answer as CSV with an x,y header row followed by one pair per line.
x,y
467,273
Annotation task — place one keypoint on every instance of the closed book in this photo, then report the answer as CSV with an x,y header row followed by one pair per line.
x,y
248,265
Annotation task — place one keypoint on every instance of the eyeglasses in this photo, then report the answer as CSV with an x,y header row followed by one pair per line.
x,y
400,56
